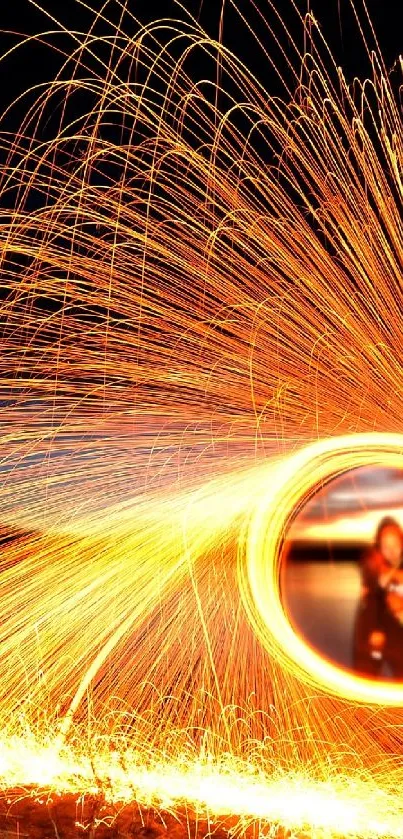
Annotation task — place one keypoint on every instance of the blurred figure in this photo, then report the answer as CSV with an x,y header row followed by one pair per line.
x,y
378,631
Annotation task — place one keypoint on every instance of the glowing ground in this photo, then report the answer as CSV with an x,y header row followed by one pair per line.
x,y
125,796
70,817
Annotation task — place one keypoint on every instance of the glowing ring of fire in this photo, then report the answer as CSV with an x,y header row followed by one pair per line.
x,y
292,483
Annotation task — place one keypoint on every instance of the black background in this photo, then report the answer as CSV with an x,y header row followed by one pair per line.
x,y
40,60
38,63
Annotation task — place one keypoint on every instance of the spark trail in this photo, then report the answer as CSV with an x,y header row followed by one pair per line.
x,y
199,283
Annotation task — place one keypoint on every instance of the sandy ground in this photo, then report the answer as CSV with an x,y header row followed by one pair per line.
x,y
25,814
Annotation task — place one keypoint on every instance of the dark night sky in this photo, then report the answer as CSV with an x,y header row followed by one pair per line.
x,y
38,63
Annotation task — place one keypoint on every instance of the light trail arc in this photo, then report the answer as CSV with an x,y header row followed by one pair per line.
x,y
293,482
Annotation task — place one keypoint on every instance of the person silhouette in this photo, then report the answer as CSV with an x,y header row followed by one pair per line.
x,y
378,629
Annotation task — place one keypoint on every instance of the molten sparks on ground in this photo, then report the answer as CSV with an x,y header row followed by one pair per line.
x,y
344,806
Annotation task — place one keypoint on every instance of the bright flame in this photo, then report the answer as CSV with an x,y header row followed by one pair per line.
x,y
344,806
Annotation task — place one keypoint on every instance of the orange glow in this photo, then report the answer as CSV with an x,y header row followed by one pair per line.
x,y
296,477
359,527
201,321
293,800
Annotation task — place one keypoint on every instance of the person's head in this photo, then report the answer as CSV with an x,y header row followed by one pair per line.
x,y
389,541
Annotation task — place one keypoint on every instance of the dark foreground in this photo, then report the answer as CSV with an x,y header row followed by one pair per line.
x,y
69,817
